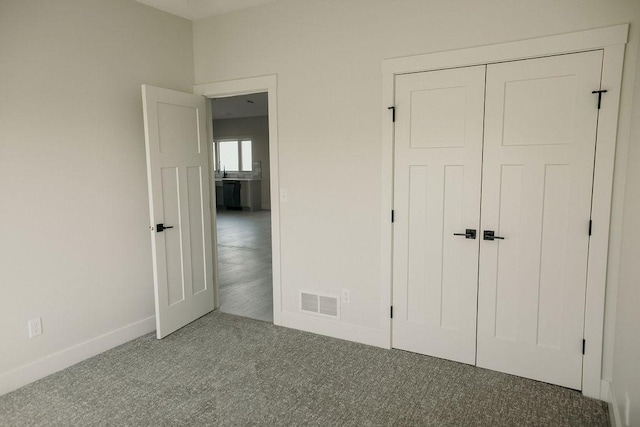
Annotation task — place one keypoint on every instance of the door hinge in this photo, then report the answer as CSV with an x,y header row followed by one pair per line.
x,y
393,113
393,215
584,345
391,312
590,226
599,92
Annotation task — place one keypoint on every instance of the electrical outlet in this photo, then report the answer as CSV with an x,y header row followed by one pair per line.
x,y
284,196
627,410
346,296
35,327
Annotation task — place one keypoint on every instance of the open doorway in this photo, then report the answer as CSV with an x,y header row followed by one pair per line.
x,y
240,159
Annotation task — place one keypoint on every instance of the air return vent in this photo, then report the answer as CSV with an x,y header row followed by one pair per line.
x,y
324,305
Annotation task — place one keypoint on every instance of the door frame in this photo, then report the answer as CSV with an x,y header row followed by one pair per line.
x,y
247,86
612,41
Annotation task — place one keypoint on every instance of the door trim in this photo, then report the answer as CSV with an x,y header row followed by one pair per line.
x,y
246,86
612,41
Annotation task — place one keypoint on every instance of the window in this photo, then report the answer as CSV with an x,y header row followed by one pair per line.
x,y
245,149
228,156
233,155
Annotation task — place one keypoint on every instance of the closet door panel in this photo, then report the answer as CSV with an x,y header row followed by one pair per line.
x,y
438,155
539,145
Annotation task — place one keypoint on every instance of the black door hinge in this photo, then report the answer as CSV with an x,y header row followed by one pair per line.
x,y
393,113
392,215
599,92
584,345
392,312
590,225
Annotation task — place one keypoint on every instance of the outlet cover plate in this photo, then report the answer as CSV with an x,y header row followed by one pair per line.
x,y
346,296
35,327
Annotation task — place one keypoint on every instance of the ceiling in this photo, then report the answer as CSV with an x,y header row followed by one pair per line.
x,y
254,105
200,9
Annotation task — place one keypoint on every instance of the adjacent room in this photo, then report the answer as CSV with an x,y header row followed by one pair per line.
x,y
311,212
240,154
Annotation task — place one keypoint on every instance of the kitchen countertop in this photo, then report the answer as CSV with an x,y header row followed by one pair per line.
x,y
237,179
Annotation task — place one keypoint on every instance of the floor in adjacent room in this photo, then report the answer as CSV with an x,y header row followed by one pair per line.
x,y
230,370
244,263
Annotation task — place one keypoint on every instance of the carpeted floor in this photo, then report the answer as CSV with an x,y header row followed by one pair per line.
x,y
228,370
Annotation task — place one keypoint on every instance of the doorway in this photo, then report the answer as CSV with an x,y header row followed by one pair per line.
x,y
229,88
182,198
241,171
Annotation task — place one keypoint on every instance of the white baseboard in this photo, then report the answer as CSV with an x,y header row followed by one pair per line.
x,y
608,394
334,329
62,359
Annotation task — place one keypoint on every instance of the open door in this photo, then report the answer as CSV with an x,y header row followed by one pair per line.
x,y
178,176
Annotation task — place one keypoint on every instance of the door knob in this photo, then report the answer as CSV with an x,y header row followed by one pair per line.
x,y
161,227
468,234
490,235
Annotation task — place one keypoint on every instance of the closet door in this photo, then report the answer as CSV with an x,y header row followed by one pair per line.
x,y
540,134
438,155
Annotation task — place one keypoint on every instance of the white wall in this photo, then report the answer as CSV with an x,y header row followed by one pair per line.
x,y
327,56
74,238
626,369
258,129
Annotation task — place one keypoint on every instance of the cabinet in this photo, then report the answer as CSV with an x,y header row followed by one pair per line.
x,y
250,193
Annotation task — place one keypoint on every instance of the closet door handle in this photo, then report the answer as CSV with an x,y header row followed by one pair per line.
x,y
490,235
161,227
468,234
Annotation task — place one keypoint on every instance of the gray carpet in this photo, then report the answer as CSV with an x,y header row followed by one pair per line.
x,y
228,370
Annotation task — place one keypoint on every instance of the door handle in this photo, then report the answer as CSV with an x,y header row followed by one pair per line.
x,y
161,227
490,235
468,234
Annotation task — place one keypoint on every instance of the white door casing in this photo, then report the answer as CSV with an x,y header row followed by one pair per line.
x,y
438,157
178,179
539,146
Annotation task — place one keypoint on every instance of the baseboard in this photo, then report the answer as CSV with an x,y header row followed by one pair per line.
x,y
25,374
608,395
334,329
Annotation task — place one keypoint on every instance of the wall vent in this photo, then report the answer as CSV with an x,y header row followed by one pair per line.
x,y
324,305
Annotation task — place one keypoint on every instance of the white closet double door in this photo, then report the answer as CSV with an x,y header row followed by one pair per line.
x,y
504,149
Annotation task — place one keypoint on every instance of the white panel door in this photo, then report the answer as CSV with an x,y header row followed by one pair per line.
x,y
177,170
438,155
540,133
